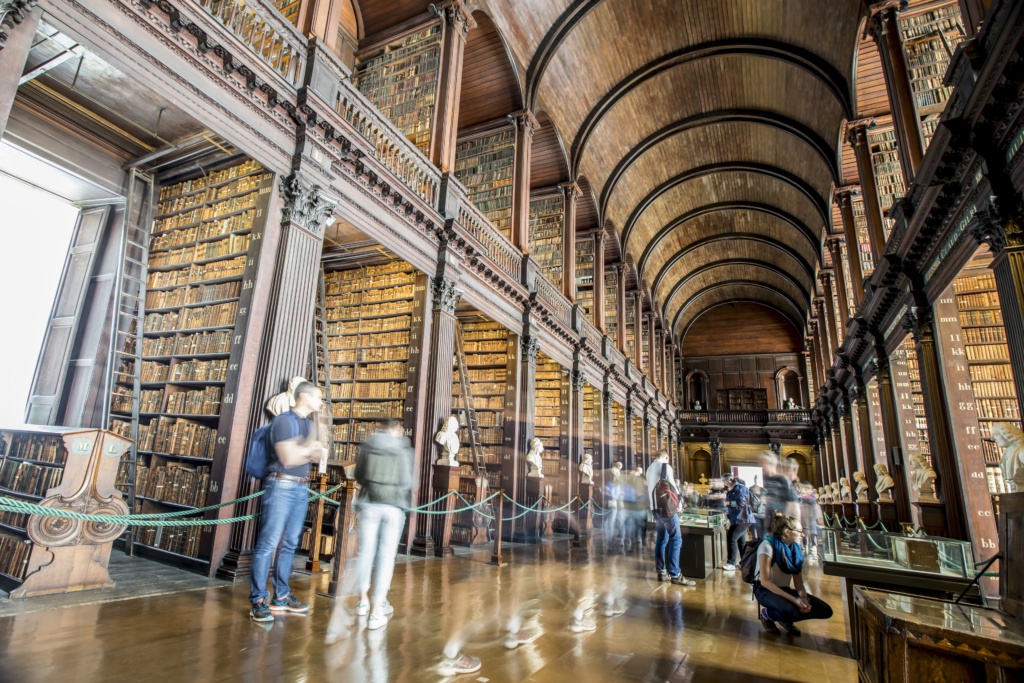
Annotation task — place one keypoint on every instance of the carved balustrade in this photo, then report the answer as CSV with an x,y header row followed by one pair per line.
x,y
258,25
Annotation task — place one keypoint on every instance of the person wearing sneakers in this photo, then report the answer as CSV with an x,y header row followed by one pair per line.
x,y
669,540
741,517
294,447
384,473
778,582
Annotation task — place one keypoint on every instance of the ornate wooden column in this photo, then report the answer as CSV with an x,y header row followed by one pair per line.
x,y
846,418
857,135
812,341
838,450
664,361
835,244
885,28
576,381
845,198
570,193
525,124
638,328
673,392
652,349
599,290
866,438
607,437
894,455
437,405
456,21
620,307
645,437
830,313
17,31
629,460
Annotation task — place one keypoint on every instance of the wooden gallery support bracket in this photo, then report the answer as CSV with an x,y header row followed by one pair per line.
x,y
70,554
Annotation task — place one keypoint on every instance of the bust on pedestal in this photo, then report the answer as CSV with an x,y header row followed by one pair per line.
x,y
448,440
885,505
533,459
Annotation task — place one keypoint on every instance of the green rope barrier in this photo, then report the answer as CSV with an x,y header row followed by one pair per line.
x,y
186,513
24,507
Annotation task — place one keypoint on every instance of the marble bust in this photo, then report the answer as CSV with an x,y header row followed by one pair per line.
x,y
586,469
1011,441
836,495
883,483
285,401
862,487
823,495
844,490
533,458
922,478
448,440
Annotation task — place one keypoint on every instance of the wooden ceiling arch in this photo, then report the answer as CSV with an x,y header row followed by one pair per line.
x,y
747,292
586,216
491,86
750,271
729,206
548,163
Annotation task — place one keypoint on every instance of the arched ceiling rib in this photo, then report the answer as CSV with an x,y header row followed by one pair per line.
x,y
731,270
735,292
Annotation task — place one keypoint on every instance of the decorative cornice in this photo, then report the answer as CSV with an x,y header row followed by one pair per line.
x,y
305,205
12,13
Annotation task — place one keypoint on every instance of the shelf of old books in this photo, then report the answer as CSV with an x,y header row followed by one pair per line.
x,y
630,349
490,371
618,434
31,463
917,395
592,426
645,346
639,454
551,425
484,165
585,277
860,222
611,303
929,39
547,220
988,360
400,78
888,174
204,249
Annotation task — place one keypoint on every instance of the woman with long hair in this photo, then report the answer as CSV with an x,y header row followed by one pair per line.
x,y
778,580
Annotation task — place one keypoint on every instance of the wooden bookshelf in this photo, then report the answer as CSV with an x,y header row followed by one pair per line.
x,y
289,9
988,360
860,222
630,349
585,252
619,433
742,398
645,346
592,427
888,174
203,254
611,303
551,426
640,456
917,396
484,165
547,221
929,39
31,464
400,78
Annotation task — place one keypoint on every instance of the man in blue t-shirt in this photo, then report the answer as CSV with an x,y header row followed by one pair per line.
x,y
293,437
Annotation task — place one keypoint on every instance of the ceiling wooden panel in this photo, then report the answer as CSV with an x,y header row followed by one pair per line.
x,y
721,188
723,275
872,98
547,160
380,15
586,212
733,293
490,89
524,23
755,328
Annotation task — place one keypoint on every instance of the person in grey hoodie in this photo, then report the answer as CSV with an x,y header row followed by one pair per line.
x,y
384,472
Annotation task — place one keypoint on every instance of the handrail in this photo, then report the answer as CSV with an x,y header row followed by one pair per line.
x,y
755,417
500,250
589,331
265,31
390,147
552,298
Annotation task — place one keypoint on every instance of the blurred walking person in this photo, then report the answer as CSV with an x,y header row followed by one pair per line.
x,y
741,517
669,540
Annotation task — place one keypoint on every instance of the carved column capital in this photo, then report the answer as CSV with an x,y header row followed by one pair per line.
x,y
531,347
988,229
857,131
606,399
12,13
305,205
446,294
525,122
577,379
571,191
456,15
775,447
845,194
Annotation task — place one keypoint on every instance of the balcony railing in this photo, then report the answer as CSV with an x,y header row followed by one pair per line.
x,y
390,147
552,298
264,31
589,331
500,250
759,418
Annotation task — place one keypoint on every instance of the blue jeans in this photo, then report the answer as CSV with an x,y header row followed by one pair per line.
x,y
780,609
380,529
281,523
670,539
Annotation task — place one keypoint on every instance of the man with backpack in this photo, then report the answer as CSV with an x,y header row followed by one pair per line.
x,y
741,517
282,455
664,501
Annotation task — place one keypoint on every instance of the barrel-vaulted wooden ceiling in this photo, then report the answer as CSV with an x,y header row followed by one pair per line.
x,y
707,133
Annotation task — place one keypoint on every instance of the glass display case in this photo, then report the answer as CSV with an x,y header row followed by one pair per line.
x,y
883,550
703,517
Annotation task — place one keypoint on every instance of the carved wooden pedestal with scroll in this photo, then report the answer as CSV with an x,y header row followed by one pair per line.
x,y
68,554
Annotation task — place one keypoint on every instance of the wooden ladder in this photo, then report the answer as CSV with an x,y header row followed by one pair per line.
x,y
468,405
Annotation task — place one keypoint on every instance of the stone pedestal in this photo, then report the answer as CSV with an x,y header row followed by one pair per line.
x,y
866,511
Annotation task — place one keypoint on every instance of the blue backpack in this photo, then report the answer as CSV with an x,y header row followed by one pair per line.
x,y
261,453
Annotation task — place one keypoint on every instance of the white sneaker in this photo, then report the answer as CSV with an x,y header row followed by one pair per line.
x,y
729,567
583,625
362,608
462,664
376,621
387,609
514,639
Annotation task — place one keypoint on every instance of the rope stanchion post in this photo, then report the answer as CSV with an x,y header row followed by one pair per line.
x,y
343,523
575,526
499,513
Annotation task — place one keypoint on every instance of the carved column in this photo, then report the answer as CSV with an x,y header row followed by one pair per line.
x,y
620,308
607,438
525,124
18,22
886,31
812,342
456,22
830,312
629,459
845,198
638,328
645,438
599,289
576,381
849,438
894,456
437,406
857,135
866,439
570,193
836,246
651,349
528,389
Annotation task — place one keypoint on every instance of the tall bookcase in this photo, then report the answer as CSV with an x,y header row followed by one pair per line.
x,y
917,396
860,222
401,80
888,174
585,251
592,426
484,164
203,253
31,462
630,330
611,304
619,433
929,39
640,456
551,425
547,223
988,360
645,346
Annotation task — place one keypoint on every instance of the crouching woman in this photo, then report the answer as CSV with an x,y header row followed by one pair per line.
x,y
778,582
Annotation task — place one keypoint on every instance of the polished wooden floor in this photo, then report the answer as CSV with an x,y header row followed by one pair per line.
x,y
666,633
